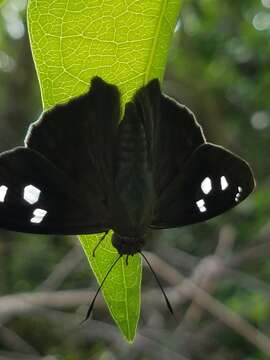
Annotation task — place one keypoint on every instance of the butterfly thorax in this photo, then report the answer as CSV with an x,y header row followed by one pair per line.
x,y
133,197
128,245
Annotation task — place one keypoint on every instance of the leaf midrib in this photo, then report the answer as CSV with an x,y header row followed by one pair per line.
x,y
153,50
126,302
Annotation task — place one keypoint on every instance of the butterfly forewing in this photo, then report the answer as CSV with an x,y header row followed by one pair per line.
x,y
67,166
212,181
171,130
178,134
79,137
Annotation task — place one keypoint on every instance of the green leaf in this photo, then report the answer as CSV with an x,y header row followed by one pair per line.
x,y
125,43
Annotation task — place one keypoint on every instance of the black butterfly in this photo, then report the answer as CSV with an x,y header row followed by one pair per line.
x,y
81,171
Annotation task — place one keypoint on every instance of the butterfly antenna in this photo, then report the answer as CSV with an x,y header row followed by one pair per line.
x,y
159,284
99,242
100,287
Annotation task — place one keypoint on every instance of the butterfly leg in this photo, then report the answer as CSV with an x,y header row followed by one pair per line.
x,y
127,260
99,242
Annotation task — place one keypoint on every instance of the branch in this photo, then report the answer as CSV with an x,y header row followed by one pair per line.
x,y
13,305
20,304
13,341
62,270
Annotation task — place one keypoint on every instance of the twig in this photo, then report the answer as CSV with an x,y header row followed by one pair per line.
x,y
12,305
13,341
178,258
249,282
261,250
142,344
10,355
206,274
62,270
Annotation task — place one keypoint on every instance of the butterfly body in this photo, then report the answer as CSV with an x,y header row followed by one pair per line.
x,y
82,170
133,195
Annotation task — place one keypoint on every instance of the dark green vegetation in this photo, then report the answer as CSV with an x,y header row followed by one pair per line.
x,y
219,66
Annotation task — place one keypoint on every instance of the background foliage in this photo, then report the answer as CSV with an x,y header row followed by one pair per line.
x,y
219,66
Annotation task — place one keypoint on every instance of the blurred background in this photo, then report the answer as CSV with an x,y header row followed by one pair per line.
x,y
219,65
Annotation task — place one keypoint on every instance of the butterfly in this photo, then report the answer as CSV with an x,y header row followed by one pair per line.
x,y
82,170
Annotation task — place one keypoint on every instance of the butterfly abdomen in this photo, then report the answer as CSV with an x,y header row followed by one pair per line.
x,y
133,177
132,146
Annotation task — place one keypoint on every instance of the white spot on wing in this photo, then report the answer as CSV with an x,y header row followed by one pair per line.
x,y
36,220
201,205
31,194
3,192
40,212
238,195
224,183
206,185
38,216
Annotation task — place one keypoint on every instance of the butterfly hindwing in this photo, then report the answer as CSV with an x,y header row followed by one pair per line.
x,y
36,197
212,181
